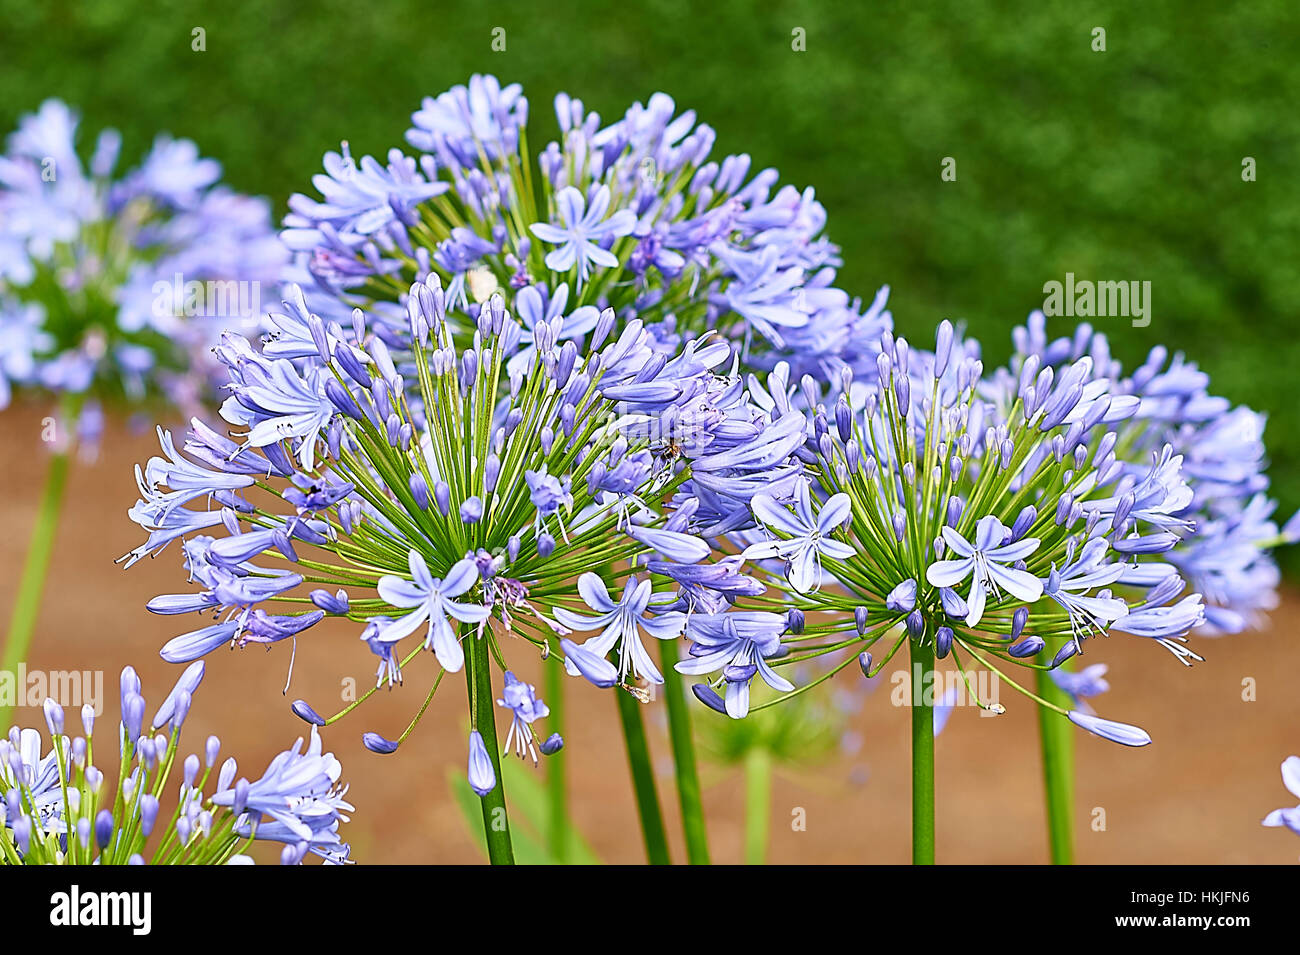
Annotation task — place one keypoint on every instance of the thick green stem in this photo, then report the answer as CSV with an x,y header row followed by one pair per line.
x,y
922,754
478,678
643,781
557,834
688,777
1057,738
27,602
758,804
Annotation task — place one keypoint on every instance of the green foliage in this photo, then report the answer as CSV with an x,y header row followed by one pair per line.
x,y
1123,164
529,805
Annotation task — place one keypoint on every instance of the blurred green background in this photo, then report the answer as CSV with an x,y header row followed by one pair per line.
x,y
1123,164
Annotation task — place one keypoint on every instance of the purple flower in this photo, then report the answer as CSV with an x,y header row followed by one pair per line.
x,y
522,700
301,795
985,562
1089,615
431,601
809,535
621,624
582,228
738,644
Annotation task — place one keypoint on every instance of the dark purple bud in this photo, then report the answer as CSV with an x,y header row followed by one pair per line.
x,y
103,828
1024,520
1026,647
551,745
1064,653
709,697
468,370
604,325
352,366
377,744
915,624
942,642
1018,620
341,399
794,620
1122,509
302,709
903,393
864,663
564,364
148,813
843,419
860,619
954,511
133,716
419,490
545,545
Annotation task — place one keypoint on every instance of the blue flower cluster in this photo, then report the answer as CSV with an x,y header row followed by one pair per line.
x,y
612,394
57,810
638,216
116,289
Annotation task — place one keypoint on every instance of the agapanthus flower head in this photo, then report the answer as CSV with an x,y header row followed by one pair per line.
x,y
496,516
637,216
115,289
1220,463
947,514
57,808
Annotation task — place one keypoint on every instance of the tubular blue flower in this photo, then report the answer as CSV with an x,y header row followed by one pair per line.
x,y
300,794
621,623
984,561
809,535
431,601
1108,729
1089,615
736,645
525,706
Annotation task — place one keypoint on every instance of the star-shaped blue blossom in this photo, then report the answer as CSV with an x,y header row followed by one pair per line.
x,y
430,599
620,624
808,535
582,228
986,562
